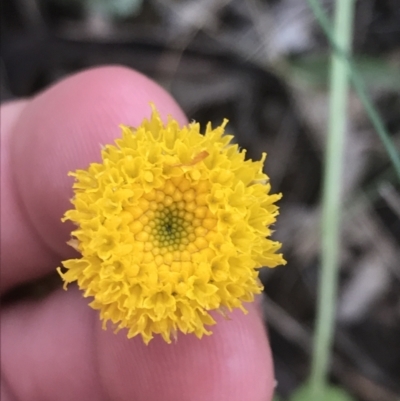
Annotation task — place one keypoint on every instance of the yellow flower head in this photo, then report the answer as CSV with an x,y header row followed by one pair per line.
x,y
171,225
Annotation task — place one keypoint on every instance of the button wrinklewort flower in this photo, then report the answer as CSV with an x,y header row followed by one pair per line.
x,y
171,225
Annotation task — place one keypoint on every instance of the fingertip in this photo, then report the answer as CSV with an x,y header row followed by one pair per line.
x,y
61,130
234,363
50,339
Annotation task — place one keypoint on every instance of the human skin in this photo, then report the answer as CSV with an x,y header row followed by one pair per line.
x,y
54,348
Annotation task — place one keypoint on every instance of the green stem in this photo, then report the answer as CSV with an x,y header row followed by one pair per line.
x,y
356,80
339,82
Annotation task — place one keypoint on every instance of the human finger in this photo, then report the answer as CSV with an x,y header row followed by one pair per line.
x,y
61,130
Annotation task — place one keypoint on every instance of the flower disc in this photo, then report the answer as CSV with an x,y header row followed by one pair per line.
x,y
171,225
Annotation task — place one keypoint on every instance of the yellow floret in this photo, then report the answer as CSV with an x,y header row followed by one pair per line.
x,y
172,225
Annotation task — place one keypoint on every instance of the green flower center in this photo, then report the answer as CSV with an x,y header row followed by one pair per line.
x,y
171,228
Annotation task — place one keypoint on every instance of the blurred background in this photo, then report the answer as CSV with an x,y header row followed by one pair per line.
x,y
263,64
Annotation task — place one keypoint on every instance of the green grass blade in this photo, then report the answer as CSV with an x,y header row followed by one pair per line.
x,y
339,82
393,153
